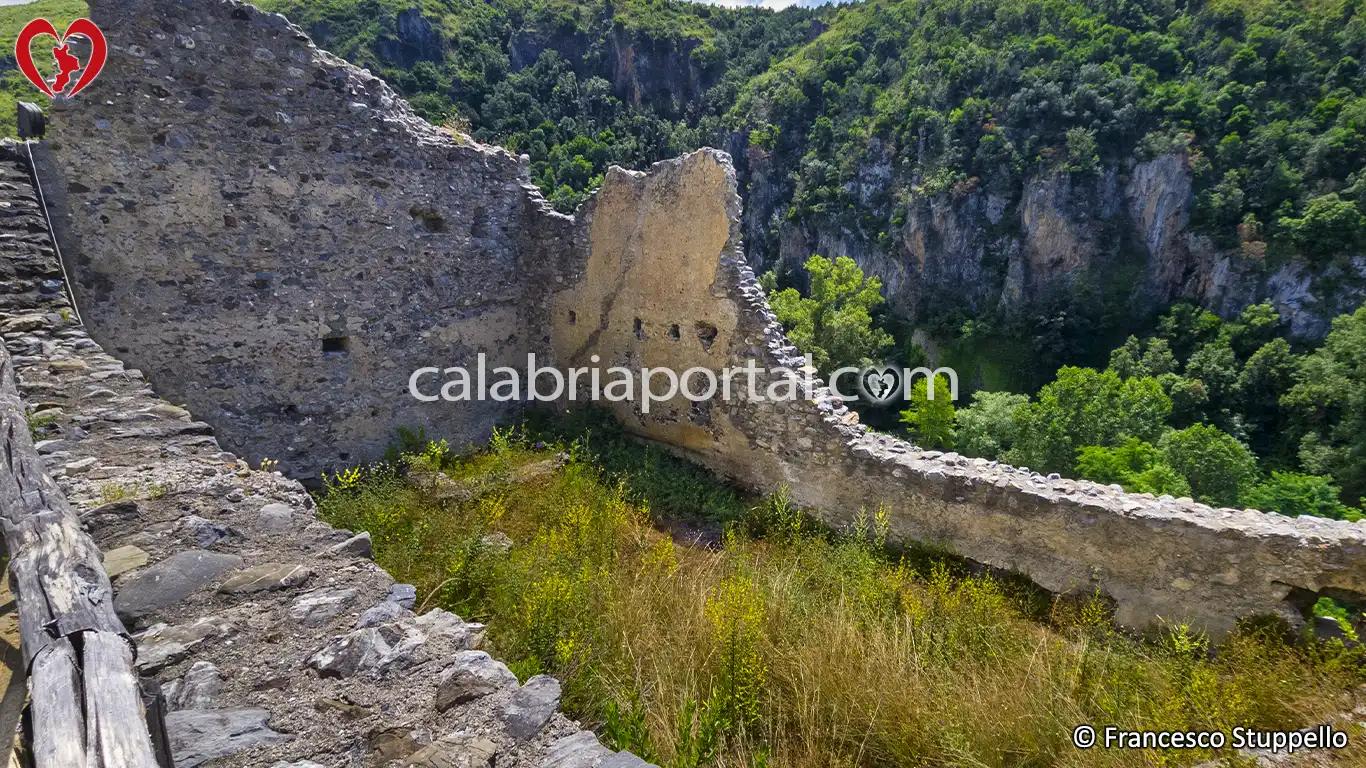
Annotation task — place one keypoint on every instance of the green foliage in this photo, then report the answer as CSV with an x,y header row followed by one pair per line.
x,y
1218,467
545,77
835,323
1295,494
771,650
1086,407
1329,400
987,427
931,419
1329,226
1135,465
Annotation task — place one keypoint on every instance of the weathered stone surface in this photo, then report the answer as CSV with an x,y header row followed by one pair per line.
x,y
382,613
120,560
298,764
625,760
198,736
161,644
455,750
275,518
581,750
197,689
444,624
206,533
392,743
403,594
266,578
371,652
356,546
320,607
170,581
471,675
531,706
652,269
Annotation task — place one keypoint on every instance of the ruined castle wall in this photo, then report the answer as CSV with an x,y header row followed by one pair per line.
x,y
280,241
665,252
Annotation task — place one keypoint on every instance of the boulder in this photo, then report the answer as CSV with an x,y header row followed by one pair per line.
x,y
371,652
442,624
531,707
321,606
382,613
455,750
356,546
162,645
471,675
170,581
121,560
197,689
266,578
275,518
200,735
582,750
206,533
403,594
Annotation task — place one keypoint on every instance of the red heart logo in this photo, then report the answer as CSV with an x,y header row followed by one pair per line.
x,y
66,62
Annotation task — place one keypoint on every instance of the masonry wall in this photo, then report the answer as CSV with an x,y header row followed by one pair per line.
x,y
245,198
665,251
280,241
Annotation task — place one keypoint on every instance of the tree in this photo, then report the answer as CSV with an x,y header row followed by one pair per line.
x,y
1265,379
1329,400
987,427
1086,407
1330,226
1135,465
835,324
1295,494
1218,467
930,419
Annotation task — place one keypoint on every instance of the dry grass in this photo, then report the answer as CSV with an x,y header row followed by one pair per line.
x,y
789,647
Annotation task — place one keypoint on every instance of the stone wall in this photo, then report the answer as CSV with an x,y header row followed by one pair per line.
x,y
274,638
279,241
665,257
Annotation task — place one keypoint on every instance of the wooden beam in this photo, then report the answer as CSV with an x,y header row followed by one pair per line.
x,y
86,705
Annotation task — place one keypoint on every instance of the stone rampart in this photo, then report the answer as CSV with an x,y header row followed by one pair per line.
x,y
273,637
280,242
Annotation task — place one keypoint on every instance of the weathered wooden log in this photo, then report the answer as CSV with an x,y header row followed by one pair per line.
x,y
86,706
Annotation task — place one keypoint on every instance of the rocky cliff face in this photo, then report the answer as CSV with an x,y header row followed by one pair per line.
x,y
1122,233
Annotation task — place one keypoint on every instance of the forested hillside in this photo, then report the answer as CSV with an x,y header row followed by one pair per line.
x,y
1032,181
578,85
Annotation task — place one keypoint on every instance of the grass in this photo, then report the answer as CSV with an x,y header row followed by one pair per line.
x,y
789,645
13,86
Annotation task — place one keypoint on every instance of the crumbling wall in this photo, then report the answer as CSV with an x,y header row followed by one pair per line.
x,y
657,254
280,241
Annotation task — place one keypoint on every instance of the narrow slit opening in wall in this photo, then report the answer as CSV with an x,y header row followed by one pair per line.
x,y
674,333
640,329
336,345
573,317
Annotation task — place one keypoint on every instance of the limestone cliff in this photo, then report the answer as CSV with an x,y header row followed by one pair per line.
x,y
1121,233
